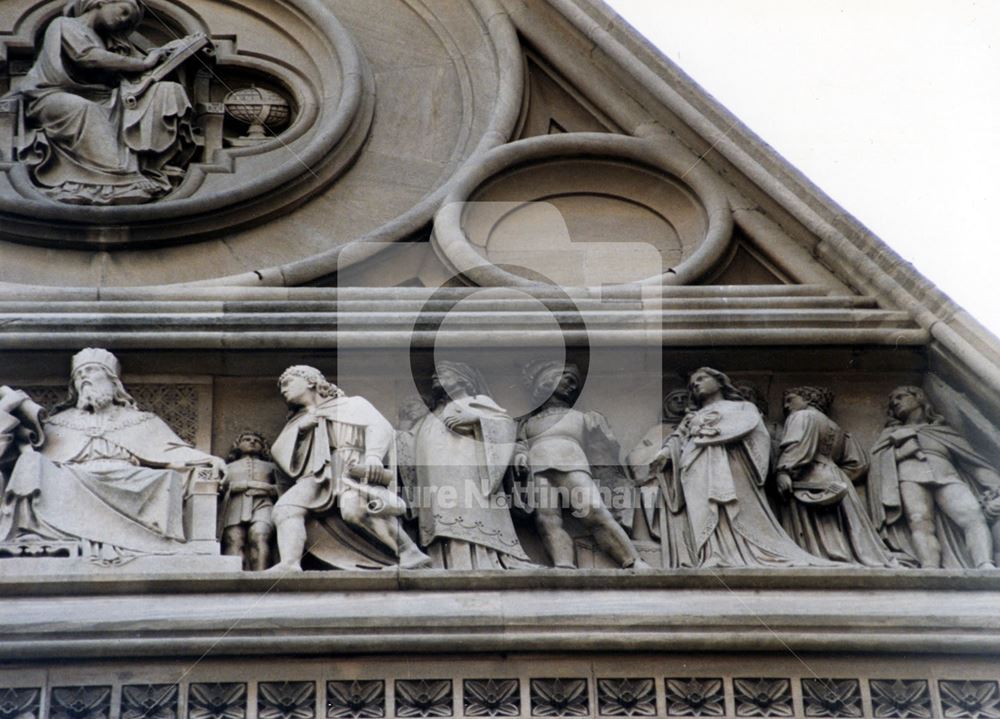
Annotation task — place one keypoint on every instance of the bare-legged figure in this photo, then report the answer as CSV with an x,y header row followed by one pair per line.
x,y
552,442
922,464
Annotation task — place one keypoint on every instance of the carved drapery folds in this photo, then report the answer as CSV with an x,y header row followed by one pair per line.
x,y
104,111
464,485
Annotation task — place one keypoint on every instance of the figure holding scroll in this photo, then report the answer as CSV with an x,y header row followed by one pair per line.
x,y
340,453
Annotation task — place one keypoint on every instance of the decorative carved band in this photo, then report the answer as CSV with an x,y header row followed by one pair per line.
x,y
666,696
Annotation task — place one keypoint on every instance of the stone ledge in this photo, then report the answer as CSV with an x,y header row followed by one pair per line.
x,y
270,617
99,581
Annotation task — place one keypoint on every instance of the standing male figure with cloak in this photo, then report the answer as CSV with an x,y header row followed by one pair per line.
x,y
925,488
463,450
107,475
718,460
334,448
569,456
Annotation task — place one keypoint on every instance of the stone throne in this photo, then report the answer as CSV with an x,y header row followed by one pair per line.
x,y
185,405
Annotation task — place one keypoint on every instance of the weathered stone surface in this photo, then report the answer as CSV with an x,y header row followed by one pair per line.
x,y
454,191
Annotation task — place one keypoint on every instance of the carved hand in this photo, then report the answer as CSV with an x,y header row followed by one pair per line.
x,y
660,461
521,462
240,485
902,435
219,465
155,57
784,484
373,470
457,419
308,424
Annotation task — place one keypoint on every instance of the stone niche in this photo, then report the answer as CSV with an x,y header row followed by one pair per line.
x,y
368,161
278,106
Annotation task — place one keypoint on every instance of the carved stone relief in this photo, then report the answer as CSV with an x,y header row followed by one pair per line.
x,y
695,697
492,697
359,699
931,494
149,701
774,696
282,111
424,698
481,489
19,703
560,697
626,697
217,701
763,697
286,700
832,698
249,490
347,443
102,476
147,104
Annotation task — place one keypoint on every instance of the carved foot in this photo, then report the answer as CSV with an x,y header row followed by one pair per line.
x,y
285,568
414,559
639,565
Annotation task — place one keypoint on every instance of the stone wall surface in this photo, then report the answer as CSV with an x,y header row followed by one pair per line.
x,y
277,272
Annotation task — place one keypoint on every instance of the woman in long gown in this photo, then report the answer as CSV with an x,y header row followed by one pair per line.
x,y
85,146
817,468
719,458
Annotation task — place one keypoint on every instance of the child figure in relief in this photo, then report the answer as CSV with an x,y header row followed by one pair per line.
x,y
250,489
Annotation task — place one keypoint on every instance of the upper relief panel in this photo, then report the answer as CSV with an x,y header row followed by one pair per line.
x,y
166,141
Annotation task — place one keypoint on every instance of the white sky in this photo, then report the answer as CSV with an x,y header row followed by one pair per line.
x,y
892,107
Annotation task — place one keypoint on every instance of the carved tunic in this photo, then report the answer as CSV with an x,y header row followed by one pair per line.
x,y
825,515
250,492
465,520
554,437
944,458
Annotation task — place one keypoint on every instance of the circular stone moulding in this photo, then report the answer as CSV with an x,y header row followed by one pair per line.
x,y
324,74
583,210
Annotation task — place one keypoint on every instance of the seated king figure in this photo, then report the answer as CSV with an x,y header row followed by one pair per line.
x,y
105,473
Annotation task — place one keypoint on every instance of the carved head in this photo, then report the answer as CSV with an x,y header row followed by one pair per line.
x,y
548,378
118,17
705,382
457,378
94,382
798,398
249,444
911,404
299,383
96,356
675,405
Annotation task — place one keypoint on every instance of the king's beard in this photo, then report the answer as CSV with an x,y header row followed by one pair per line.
x,y
94,398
